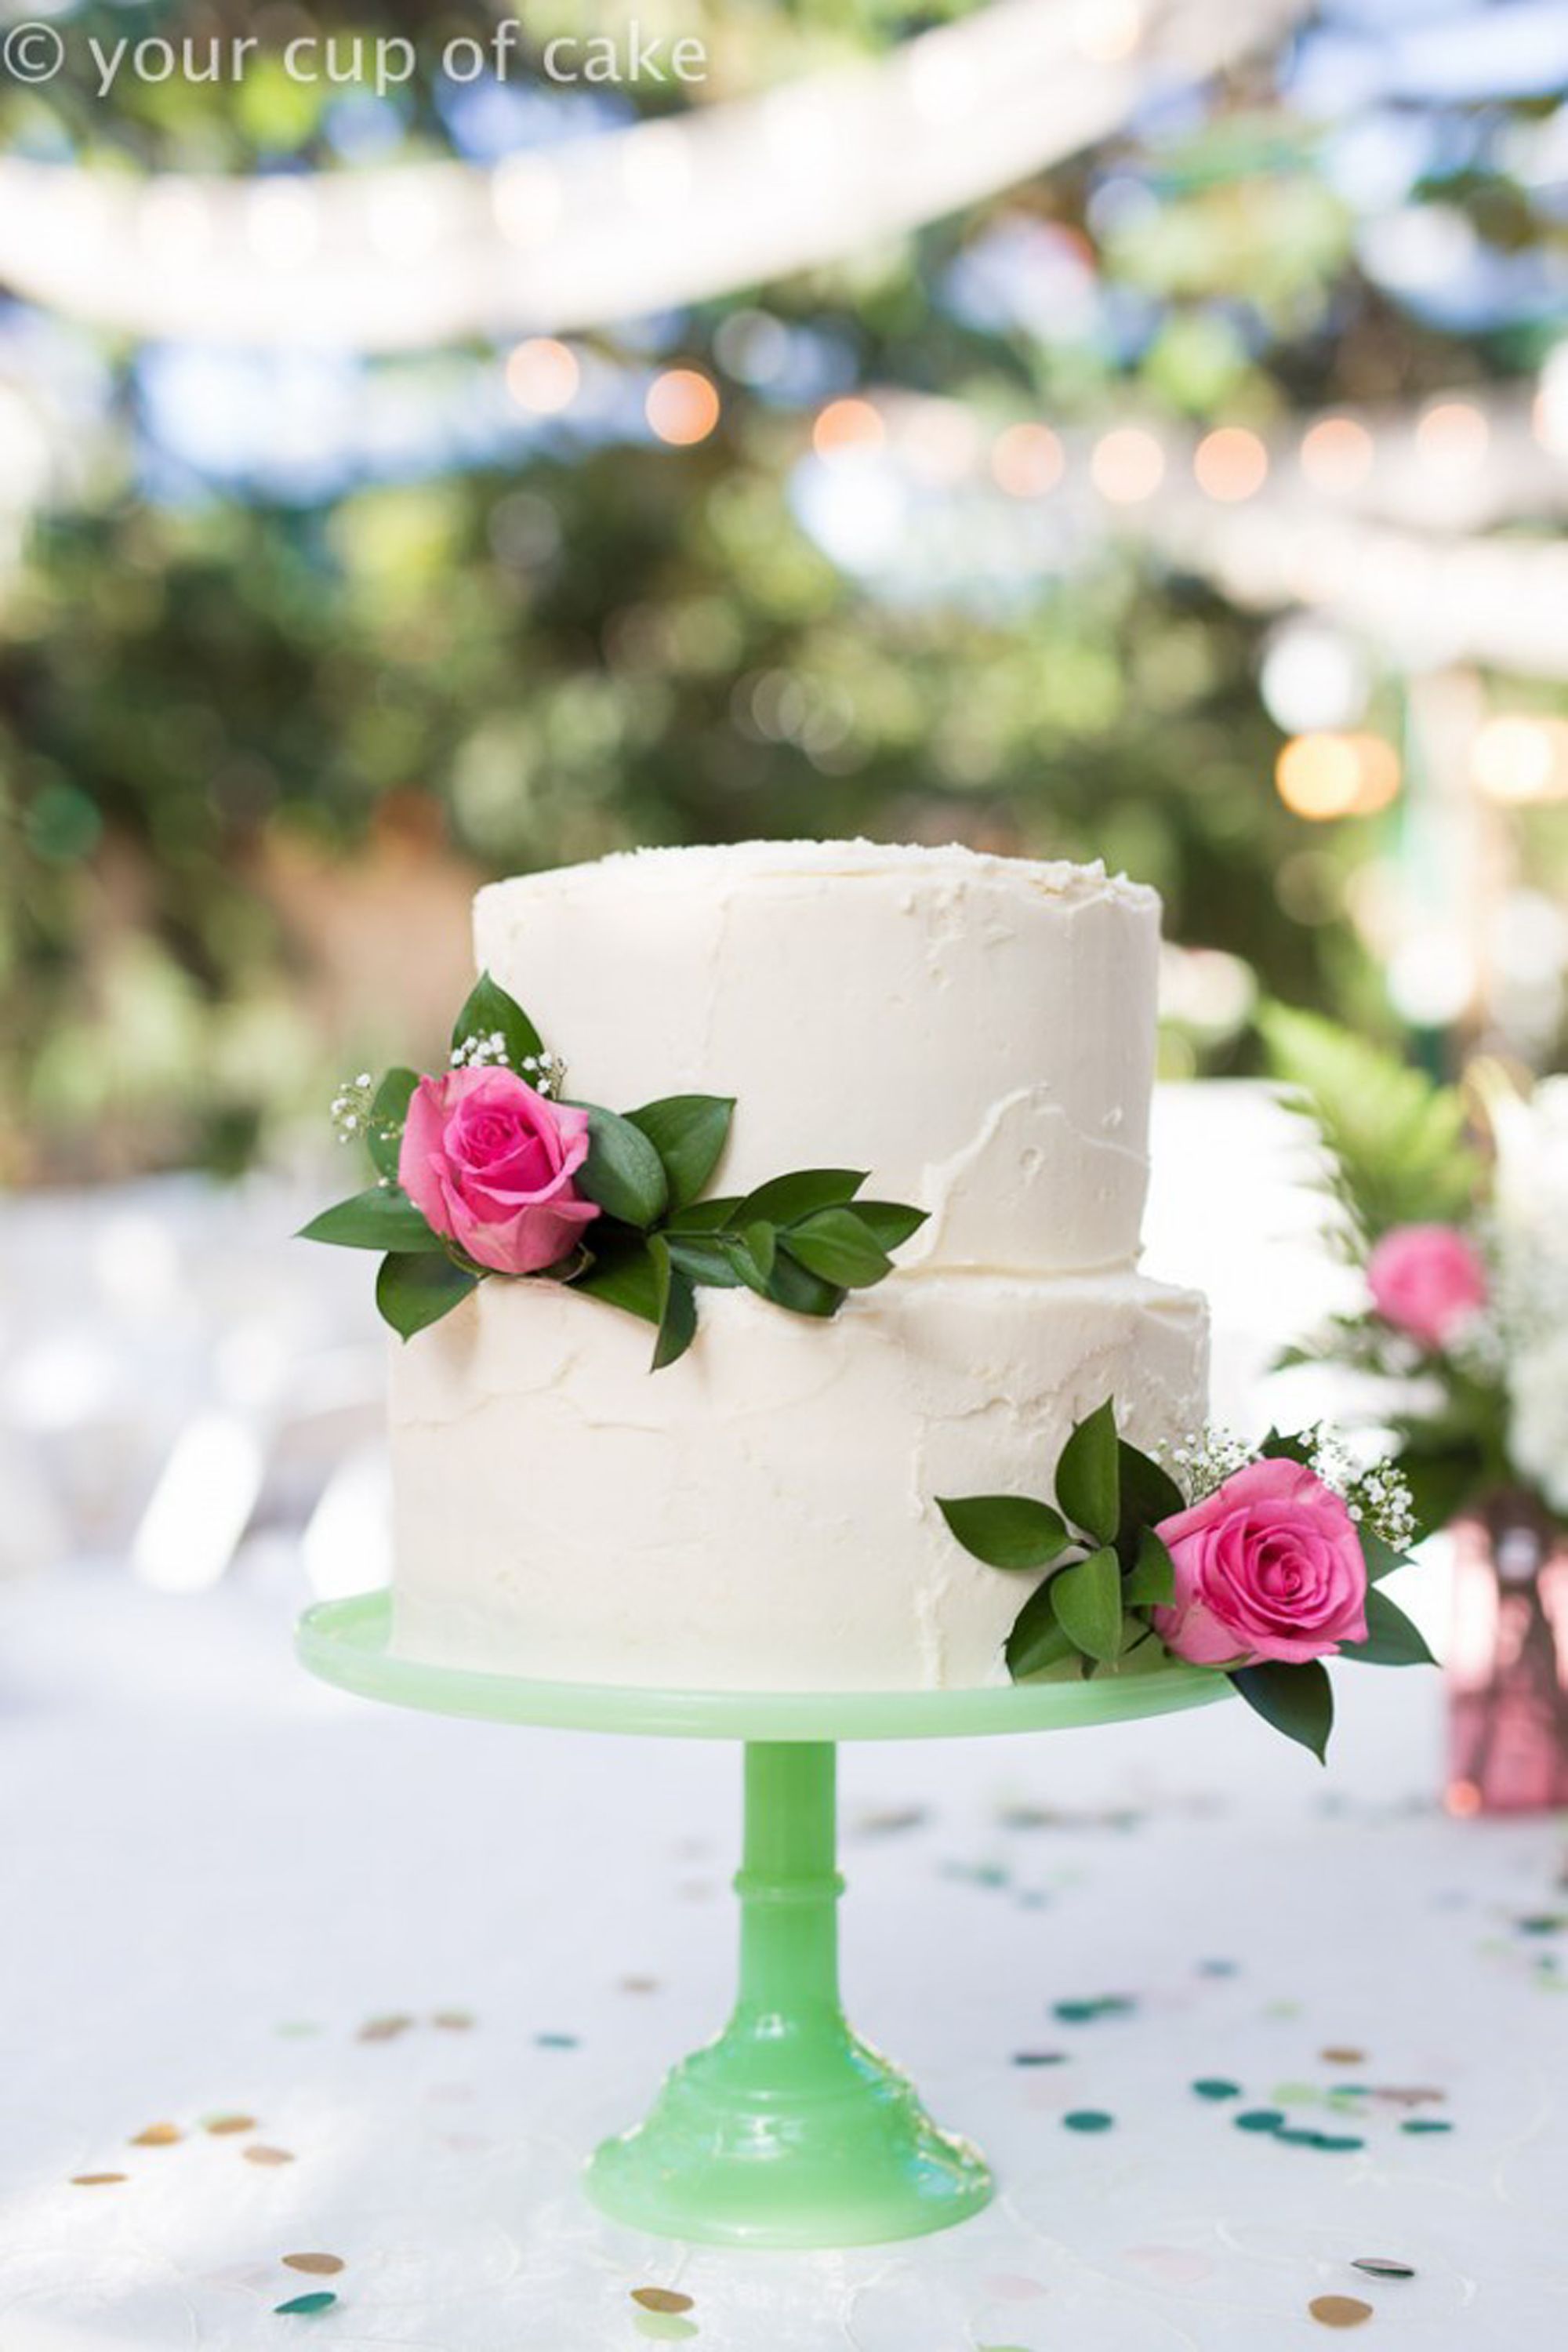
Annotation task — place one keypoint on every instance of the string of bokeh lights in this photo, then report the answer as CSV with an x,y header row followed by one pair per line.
x,y
1440,455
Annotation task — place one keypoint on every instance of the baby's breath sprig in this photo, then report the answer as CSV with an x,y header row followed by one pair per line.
x,y
350,1108
481,1053
545,1073
1201,1462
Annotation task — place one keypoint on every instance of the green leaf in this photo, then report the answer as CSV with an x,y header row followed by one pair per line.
x,y
1390,1639
1287,1446
784,1197
705,1257
704,1216
489,1008
1152,1584
761,1240
791,1285
1381,1558
1087,1599
1297,1700
622,1273
689,1133
834,1244
1006,1530
1148,1494
414,1289
388,1112
889,1223
1089,1484
381,1219
622,1171
1036,1641
677,1305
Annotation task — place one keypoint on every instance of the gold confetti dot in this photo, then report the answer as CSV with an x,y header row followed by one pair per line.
x,y
452,2021
384,2029
94,2179
1342,2054
219,2125
1339,2310
661,2298
640,1984
262,2154
158,2136
315,2266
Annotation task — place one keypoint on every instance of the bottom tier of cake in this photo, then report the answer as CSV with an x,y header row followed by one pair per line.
x,y
761,1515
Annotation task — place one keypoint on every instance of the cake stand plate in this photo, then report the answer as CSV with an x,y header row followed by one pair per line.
x,y
787,2130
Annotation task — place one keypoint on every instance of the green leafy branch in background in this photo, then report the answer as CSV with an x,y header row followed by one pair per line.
x,y
1396,1138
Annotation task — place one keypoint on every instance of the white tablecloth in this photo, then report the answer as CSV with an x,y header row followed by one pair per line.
x,y
227,1893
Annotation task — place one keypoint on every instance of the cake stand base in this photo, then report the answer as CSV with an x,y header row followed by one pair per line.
x,y
788,2131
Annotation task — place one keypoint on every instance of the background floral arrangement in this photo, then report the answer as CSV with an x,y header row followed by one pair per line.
x,y
1455,1207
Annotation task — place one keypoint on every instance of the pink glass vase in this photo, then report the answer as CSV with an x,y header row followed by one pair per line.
x,y
1508,1662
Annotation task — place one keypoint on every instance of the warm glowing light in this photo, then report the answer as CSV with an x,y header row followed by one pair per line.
x,y
542,376
1516,758
941,440
847,425
1128,465
1337,455
1028,461
682,406
1231,463
1462,1798
1324,775
1106,31
1452,435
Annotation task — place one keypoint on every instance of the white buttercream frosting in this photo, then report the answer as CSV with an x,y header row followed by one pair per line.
x,y
977,1032
761,1515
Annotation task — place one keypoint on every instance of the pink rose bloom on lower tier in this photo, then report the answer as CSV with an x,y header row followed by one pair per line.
x,y
1269,1566
1427,1281
488,1162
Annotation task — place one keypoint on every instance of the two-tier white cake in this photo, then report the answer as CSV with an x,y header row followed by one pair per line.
x,y
978,1033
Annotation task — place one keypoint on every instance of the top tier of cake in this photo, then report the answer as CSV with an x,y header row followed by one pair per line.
x,y
977,1032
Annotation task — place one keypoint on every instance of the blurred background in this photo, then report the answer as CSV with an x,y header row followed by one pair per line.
x,y
434,444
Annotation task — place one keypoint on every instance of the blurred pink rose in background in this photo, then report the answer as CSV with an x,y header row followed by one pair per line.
x,y
1427,1281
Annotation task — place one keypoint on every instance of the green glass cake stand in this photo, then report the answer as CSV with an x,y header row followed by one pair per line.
x,y
787,2130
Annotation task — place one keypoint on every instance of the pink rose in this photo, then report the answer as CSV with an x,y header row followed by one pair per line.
x,y
489,1162
1427,1281
1267,1567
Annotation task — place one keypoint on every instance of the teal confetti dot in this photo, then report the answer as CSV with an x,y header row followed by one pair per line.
x,y
556,2041
1260,2119
1300,2136
1084,2013
1088,2119
1039,2057
1417,2124
1215,2087
304,2306
1217,1968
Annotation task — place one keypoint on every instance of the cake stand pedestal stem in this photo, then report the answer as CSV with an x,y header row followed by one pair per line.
x,y
787,2130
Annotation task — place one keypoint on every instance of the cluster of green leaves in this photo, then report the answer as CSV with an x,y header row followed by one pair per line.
x,y
1108,1568
802,1241
1397,1139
